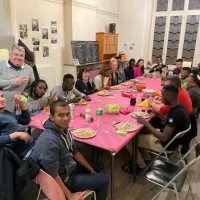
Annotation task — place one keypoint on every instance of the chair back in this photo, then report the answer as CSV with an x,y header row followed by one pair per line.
x,y
197,148
49,186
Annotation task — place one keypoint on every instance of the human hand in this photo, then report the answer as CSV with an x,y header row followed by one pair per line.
x,y
18,98
21,80
141,120
76,196
21,135
87,98
75,100
52,98
92,171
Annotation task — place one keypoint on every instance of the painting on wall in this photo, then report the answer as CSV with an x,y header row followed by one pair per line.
x,y
23,31
36,47
36,41
54,30
35,25
45,34
54,40
53,23
45,51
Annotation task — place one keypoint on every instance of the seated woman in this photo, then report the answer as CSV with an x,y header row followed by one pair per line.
x,y
129,72
103,80
118,75
36,101
139,68
84,84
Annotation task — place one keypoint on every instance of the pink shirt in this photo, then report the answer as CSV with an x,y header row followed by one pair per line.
x,y
137,71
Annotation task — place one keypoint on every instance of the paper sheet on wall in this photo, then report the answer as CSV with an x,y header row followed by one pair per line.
x,y
131,46
4,54
126,45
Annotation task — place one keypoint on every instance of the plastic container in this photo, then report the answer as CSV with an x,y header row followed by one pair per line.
x,y
99,113
88,118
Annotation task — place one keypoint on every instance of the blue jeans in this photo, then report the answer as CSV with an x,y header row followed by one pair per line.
x,y
81,179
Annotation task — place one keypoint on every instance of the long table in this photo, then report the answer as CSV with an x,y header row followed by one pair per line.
x,y
106,137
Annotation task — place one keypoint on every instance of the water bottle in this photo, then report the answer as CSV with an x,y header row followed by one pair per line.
x,y
88,118
72,106
99,113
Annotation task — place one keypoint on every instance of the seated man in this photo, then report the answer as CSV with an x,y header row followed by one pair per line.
x,y
58,155
183,97
194,92
12,132
177,120
66,90
179,65
185,72
159,67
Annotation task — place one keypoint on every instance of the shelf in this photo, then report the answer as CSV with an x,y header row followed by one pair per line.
x,y
109,53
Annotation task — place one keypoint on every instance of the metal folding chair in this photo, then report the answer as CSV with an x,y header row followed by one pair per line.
x,y
165,153
172,176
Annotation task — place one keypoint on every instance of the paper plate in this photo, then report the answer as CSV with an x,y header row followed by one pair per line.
x,y
85,133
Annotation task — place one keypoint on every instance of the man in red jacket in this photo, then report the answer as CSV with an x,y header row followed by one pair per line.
x,y
183,97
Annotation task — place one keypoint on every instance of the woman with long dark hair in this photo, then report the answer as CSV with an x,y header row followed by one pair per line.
x,y
139,68
103,80
84,84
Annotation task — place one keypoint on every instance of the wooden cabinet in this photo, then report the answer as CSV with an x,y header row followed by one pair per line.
x,y
108,46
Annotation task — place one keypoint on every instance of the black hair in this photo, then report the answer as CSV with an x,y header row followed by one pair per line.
x,y
175,80
159,58
195,70
35,83
84,69
188,69
171,88
60,103
194,78
131,60
142,68
67,76
179,60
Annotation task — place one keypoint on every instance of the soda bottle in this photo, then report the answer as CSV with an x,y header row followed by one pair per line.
x,y
163,78
99,113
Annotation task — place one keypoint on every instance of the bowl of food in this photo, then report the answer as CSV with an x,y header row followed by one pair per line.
x,y
112,109
140,86
148,92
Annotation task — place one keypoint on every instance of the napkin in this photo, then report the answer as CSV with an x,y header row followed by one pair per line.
x,y
143,104
121,132
126,110
126,94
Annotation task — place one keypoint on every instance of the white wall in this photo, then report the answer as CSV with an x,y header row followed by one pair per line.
x,y
22,12
3,27
135,26
92,16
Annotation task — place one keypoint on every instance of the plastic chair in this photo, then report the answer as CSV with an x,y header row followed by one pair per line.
x,y
165,153
172,176
52,190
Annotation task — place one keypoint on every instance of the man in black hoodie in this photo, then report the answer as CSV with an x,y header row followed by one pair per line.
x,y
58,155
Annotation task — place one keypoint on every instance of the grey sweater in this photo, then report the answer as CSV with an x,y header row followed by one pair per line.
x,y
54,151
8,77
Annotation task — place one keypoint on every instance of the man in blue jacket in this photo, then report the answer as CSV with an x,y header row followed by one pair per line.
x,y
57,154
12,127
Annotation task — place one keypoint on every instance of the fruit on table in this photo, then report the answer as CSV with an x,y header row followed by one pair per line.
x,y
140,87
112,108
23,99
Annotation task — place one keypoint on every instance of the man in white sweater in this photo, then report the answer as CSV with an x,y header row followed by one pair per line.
x,y
15,76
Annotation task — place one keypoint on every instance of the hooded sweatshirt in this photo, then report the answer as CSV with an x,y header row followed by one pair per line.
x,y
54,151
10,123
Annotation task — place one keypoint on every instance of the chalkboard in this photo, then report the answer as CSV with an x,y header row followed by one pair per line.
x,y
85,51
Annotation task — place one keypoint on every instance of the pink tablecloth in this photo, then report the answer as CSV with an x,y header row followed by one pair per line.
x,y
110,141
